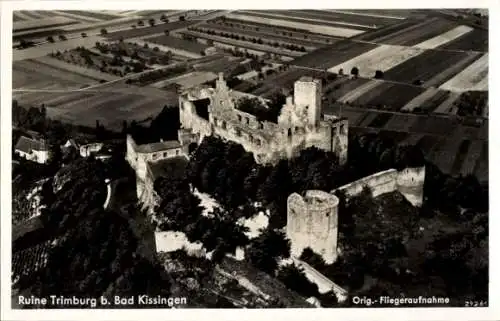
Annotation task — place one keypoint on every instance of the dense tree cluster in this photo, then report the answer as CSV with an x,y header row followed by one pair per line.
x,y
95,252
265,251
386,240
179,210
163,126
263,113
156,75
295,279
228,173
472,103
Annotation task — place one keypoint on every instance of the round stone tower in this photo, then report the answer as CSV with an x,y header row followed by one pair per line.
x,y
312,222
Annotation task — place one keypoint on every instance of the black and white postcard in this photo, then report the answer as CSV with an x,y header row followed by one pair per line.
x,y
300,163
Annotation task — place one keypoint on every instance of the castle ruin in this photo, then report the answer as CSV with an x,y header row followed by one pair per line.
x,y
212,111
312,222
312,218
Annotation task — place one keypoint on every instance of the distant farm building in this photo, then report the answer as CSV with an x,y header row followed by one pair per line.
x,y
32,149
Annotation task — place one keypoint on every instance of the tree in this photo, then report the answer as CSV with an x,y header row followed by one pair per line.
x,y
152,22
312,258
296,280
140,23
50,39
62,37
182,18
104,31
134,26
166,32
355,71
264,251
84,35
379,74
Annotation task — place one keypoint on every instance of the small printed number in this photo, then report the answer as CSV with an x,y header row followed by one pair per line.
x,y
471,304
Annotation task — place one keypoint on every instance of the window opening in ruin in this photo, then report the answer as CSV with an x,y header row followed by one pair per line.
x,y
248,120
155,156
164,154
289,132
224,124
177,152
238,132
239,117
261,125
201,107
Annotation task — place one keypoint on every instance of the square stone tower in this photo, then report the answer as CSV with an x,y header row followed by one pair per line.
x,y
307,94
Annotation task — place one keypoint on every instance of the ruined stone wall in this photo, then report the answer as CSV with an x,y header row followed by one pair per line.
x,y
131,154
146,193
339,138
312,222
379,183
190,120
409,182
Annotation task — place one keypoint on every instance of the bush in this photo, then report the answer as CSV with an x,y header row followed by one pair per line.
x,y
104,31
50,39
379,74
355,71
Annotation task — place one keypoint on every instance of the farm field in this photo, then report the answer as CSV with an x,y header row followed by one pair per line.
x,y
315,17
332,55
400,122
381,58
417,101
78,70
424,66
444,38
260,35
389,96
452,155
284,79
359,91
337,16
474,77
445,153
30,74
385,31
476,40
178,43
244,44
148,31
418,33
345,87
273,30
25,25
311,26
93,14
386,13
108,106
439,98
188,80
452,69
35,52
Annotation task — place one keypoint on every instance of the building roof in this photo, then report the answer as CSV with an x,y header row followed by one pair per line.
x,y
28,145
158,146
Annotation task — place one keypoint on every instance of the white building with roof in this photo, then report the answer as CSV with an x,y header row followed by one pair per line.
x,y
35,150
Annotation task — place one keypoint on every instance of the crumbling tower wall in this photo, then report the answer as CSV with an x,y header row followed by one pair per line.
x,y
312,222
